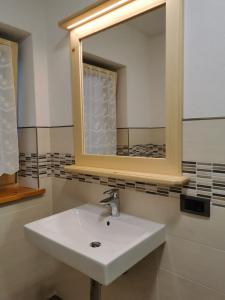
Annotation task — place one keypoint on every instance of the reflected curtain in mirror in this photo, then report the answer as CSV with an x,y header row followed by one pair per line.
x,y
9,156
100,110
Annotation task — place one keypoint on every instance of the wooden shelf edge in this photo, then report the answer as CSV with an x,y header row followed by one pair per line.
x,y
12,193
169,180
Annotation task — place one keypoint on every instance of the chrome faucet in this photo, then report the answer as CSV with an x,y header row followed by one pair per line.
x,y
112,201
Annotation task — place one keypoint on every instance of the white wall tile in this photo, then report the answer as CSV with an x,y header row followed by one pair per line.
x,y
24,275
68,194
71,284
44,142
12,222
122,136
147,136
174,287
8,259
42,289
62,140
194,261
28,182
22,206
25,271
138,283
207,231
203,141
27,140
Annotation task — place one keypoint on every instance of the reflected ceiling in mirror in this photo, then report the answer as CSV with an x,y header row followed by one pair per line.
x,y
124,88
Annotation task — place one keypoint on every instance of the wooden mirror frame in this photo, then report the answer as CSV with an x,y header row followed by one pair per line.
x,y
95,19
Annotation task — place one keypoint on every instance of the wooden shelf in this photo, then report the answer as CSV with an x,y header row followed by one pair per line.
x,y
11,193
160,179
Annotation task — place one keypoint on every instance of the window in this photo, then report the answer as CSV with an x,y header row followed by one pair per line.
x,y
9,157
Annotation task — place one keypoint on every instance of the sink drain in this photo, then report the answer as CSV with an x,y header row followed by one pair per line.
x,y
95,244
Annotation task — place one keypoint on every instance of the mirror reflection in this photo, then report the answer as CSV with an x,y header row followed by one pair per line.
x,y
124,88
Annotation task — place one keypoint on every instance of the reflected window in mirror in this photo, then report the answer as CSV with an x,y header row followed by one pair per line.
x,y
124,88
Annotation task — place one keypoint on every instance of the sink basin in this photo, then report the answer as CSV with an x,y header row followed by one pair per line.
x,y
100,246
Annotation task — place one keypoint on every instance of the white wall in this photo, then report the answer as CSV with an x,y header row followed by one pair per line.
x,y
204,62
26,93
204,92
156,82
59,64
59,67
30,16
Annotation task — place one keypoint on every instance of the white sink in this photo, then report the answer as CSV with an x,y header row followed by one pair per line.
x,y
125,241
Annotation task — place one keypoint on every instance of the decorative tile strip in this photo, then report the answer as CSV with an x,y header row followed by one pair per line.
x,y
148,150
28,165
45,165
206,179
122,150
59,160
218,182
142,150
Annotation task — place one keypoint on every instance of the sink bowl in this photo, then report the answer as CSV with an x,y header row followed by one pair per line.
x,y
100,246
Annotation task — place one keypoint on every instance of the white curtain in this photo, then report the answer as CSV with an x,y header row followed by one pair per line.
x,y
9,157
100,110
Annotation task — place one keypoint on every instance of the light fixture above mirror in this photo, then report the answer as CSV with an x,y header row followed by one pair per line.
x,y
87,29
109,7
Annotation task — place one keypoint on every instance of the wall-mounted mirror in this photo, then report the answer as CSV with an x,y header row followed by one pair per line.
x,y
124,88
127,89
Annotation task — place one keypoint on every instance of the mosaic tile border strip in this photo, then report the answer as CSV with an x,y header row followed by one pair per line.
x,y
45,164
28,163
142,150
148,150
206,179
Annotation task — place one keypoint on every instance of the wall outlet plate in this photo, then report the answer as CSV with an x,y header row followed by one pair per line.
x,y
195,205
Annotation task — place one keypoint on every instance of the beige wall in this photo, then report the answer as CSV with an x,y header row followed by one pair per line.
x,y
25,272
190,266
146,136
192,263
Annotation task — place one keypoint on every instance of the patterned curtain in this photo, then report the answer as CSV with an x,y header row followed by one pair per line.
x,y
100,110
9,156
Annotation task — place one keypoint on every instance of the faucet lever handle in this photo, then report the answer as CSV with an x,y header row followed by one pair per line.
x,y
111,191
105,201
112,201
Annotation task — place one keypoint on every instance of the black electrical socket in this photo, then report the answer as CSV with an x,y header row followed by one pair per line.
x,y
195,205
